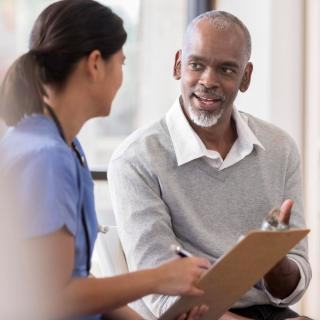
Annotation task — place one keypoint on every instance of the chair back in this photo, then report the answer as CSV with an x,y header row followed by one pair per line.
x,y
108,258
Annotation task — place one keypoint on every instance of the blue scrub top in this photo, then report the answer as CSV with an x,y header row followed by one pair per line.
x,y
52,186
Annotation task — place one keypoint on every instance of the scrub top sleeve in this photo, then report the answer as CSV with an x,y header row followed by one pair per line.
x,y
49,192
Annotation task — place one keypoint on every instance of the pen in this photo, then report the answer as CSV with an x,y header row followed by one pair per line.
x,y
183,253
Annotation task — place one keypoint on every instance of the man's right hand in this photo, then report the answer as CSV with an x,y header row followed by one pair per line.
x,y
196,313
232,316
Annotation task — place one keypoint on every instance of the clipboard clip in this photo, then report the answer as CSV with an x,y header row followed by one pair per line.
x,y
271,222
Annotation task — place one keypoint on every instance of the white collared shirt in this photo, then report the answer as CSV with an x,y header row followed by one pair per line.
x,y
188,146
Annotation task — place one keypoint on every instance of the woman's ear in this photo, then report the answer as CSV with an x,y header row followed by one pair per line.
x,y
177,66
94,64
246,79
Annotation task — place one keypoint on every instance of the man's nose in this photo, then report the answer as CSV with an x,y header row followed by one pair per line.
x,y
209,79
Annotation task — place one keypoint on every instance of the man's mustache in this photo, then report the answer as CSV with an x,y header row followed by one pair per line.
x,y
210,93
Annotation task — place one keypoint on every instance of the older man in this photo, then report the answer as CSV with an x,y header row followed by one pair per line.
x,y
206,173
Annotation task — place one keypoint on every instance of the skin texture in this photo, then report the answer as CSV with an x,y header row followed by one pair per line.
x,y
92,86
88,93
72,296
213,67
213,70
286,270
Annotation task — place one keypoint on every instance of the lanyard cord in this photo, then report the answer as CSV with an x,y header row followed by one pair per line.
x,y
81,159
57,122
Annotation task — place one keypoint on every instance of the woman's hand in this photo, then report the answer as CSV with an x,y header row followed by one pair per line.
x,y
179,276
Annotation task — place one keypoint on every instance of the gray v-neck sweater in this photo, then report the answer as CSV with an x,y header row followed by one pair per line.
x,y
158,203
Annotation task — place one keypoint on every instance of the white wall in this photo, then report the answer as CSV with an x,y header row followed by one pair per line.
x,y
312,150
163,23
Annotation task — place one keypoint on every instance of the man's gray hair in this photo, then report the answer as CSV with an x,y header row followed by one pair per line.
x,y
222,20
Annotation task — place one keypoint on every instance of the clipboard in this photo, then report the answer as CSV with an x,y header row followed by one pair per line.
x,y
234,273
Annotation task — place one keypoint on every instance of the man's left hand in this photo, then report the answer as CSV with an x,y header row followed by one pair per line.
x,y
284,277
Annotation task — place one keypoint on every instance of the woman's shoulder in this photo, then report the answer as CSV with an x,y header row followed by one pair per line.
x,y
41,170
34,141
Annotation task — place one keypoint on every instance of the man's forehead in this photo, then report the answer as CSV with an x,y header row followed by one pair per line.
x,y
205,34
209,28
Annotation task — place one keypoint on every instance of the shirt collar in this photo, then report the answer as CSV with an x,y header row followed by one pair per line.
x,y
187,144
245,134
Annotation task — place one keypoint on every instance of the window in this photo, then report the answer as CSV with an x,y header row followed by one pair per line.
x,y
148,89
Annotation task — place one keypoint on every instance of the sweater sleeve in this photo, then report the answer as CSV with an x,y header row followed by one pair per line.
x,y
144,222
299,254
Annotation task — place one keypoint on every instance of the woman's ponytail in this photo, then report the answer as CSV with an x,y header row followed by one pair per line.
x,y
21,91
64,33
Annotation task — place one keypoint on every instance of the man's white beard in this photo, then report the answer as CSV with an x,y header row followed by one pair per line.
x,y
202,118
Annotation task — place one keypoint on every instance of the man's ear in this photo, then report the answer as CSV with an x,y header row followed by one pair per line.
x,y
177,66
246,79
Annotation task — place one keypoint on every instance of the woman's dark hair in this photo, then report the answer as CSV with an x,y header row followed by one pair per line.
x,y
65,32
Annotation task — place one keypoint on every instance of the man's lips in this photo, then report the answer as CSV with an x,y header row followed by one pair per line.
x,y
208,101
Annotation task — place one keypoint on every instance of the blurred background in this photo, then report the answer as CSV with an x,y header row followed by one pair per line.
x,y
284,89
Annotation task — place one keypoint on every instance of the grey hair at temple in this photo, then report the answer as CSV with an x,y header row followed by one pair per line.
x,y
221,20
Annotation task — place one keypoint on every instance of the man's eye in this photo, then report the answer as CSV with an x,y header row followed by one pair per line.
x,y
195,66
227,70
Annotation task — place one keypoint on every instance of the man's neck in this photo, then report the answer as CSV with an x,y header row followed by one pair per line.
x,y
219,137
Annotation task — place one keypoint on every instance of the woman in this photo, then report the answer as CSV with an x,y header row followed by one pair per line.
x,y
70,75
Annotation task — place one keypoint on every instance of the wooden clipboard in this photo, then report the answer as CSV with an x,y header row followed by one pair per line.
x,y
237,271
